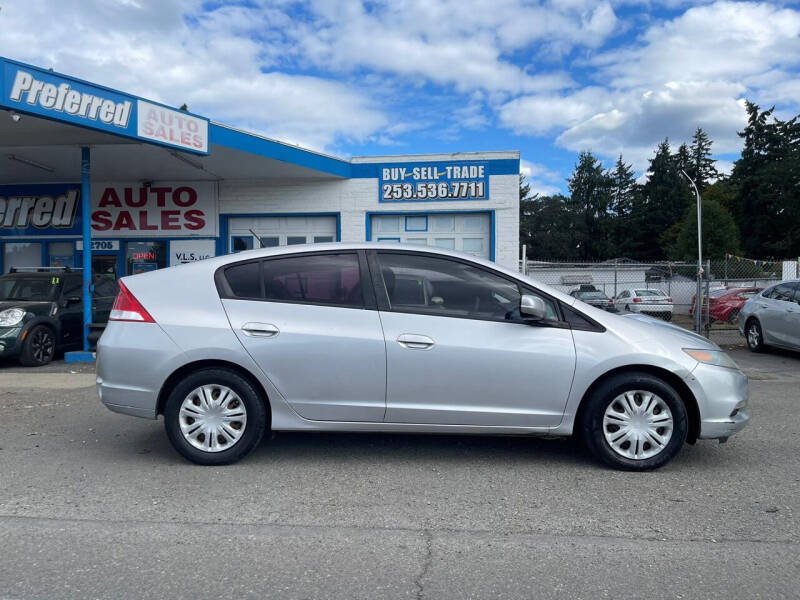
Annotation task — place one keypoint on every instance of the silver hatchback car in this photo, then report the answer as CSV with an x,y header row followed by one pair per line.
x,y
366,337
772,318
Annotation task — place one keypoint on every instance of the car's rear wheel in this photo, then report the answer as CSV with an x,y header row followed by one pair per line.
x,y
39,347
215,417
668,316
634,422
754,336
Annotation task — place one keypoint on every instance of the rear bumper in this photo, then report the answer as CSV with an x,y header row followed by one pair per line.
x,y
133,361
655,308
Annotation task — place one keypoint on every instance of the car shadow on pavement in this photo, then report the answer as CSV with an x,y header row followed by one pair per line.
x,y
355,448
336,447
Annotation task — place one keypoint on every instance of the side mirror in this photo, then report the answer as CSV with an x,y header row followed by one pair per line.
x,y
532,307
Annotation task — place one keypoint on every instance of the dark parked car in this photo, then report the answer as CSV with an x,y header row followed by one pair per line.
x,y
41,312
591,295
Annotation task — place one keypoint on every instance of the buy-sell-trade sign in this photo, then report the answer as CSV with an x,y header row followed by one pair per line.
x,y
28,89
433,182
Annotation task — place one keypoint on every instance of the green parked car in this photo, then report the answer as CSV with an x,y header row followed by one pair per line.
x,y
41,312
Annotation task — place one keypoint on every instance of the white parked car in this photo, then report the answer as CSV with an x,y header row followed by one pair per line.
x,y
648,302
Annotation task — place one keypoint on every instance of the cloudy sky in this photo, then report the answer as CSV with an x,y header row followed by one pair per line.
x,y
356,77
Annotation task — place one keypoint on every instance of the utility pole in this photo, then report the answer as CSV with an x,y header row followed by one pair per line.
x,y
698,309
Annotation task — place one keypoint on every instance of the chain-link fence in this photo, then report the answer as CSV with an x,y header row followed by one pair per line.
x,y
668,289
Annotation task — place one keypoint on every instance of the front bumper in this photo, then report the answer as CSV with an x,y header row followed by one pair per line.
x,y
10,343
722,397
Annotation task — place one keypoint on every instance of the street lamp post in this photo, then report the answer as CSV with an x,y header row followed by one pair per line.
x,y
698,309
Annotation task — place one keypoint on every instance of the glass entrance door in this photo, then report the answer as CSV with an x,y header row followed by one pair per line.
x,y
104,266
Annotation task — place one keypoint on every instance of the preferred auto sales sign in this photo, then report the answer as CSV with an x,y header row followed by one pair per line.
x,y
160,209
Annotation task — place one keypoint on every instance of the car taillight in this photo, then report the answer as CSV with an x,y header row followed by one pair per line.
x,y
127,308
637,299
669,300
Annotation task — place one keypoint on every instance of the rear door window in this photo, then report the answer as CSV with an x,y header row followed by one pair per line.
x,y
331,279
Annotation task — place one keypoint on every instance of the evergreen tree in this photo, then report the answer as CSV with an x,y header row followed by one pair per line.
x,y
626,211
590,202
682,158
666,196
767,177
623,188
701,166
548,229
720,233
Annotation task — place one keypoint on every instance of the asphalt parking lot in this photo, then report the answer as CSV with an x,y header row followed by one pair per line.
x,y
98,505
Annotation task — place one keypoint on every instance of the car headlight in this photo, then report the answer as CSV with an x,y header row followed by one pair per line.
x,y
718,358
11,317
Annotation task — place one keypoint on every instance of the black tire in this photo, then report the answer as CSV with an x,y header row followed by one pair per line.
x,y
668,316
591,425
628,307
256,416
39,347
755,342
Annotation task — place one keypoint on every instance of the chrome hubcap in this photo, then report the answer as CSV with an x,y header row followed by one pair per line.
x,y
212,418
752,336
637,424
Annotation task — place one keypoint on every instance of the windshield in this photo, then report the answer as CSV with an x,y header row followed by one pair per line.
x,y
591,295
24,288
718,293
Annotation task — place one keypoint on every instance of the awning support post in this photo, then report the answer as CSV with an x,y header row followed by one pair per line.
x,y
86,200
84,356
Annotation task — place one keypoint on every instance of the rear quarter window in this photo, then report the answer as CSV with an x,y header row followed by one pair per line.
x,y
244,280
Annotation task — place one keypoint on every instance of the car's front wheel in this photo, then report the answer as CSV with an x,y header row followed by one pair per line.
x,y
215,417
39,347
634,422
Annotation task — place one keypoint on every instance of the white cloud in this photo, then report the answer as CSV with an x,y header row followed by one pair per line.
x,y
723,41
693,71
449,42
174,52
543,113
639,121
543,181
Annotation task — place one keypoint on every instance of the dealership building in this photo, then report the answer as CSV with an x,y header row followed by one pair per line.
x,y
159,186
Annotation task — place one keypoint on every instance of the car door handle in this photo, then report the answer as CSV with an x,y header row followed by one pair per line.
x,y
260,330
414,341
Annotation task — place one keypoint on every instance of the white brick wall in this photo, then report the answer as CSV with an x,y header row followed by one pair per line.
x,y
353,198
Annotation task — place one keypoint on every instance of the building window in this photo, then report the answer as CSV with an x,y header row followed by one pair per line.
x,y
242,243
145,256
61,254
21,254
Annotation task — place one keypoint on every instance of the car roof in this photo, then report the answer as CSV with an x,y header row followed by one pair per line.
x,y
43,274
